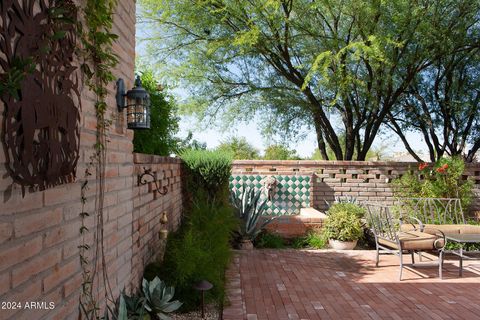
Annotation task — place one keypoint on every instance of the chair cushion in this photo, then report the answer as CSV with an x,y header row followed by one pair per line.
x,y
469,229
455,228
445,228
412,240
409,227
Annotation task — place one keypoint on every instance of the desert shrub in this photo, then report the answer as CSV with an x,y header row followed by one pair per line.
x,y
200,250
440,180
351,208
208,171
313,239
269,240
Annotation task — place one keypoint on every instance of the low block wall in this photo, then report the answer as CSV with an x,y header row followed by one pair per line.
x,y
291,226
365,180
148,207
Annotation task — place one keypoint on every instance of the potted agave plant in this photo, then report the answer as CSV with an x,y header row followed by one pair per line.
x,y
249,207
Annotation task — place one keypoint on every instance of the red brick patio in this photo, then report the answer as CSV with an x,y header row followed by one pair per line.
x,y
324,284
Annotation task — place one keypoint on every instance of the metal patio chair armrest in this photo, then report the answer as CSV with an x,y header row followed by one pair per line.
x,y
439,244
421,226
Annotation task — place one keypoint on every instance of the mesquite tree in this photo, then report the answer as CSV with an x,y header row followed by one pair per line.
x,y
339,67
443,101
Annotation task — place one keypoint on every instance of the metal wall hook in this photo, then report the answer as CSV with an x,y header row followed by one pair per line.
x,y
142,181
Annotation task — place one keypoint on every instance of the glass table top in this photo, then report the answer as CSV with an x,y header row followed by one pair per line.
x,y
466,238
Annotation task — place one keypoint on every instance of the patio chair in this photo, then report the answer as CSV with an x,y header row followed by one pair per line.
x,y
390,238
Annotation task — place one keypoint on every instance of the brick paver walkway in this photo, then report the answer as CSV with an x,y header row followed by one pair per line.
x,y
323,284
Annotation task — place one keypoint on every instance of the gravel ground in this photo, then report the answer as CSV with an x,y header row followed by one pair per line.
x,y
211,313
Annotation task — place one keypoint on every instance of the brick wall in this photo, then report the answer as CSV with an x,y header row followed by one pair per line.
x,y
40,233
148,207
367,180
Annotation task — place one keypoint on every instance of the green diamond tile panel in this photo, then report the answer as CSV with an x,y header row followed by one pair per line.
x,y
291,192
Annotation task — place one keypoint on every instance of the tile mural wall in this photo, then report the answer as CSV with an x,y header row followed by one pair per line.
x,y
291,192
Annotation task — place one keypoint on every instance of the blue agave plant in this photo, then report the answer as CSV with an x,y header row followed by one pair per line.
x,y
249,208
158,296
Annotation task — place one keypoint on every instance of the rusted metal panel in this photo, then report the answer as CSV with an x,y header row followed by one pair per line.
x,y
41,131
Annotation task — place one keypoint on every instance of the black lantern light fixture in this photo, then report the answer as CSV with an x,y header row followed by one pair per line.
x,y
137,102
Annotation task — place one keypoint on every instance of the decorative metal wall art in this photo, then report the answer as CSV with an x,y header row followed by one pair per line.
x,y
142,181
40,131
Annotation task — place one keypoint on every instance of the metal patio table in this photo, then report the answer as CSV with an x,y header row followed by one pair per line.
x,y
462,239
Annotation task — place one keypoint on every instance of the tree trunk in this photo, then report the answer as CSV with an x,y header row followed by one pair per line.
x,y
321,143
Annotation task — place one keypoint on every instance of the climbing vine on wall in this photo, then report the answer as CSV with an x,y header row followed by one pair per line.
x,y
97,41
36,36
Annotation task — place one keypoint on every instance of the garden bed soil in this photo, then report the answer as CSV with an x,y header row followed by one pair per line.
x,y
211,313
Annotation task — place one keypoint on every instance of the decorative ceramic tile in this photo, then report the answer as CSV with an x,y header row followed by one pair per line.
x,y
291,192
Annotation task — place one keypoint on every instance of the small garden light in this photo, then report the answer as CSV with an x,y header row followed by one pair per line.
x,y
137,102
203,286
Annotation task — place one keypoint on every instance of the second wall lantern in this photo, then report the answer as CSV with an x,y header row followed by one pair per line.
x,y
137,102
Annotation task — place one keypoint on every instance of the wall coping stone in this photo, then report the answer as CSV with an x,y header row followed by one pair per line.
x,y
331,163
142,158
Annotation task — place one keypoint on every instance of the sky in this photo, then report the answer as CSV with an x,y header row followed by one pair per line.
x,y
304,146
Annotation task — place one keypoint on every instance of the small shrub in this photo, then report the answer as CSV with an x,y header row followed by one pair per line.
x,y
342,199
343,226
313,239
200,250
297,243
351,208
440,180
316,240
208,171
269,240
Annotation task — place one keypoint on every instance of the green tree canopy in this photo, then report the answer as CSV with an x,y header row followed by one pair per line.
x,y
239,148
304,62
188,143
160,138
443,102
280,152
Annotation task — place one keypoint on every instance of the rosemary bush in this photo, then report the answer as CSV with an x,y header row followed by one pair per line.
x,y
208,171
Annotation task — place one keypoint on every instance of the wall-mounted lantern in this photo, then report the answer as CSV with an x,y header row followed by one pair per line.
x,y
137,102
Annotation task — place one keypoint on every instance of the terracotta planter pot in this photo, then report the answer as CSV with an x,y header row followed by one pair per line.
x,y
246,245
342,245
